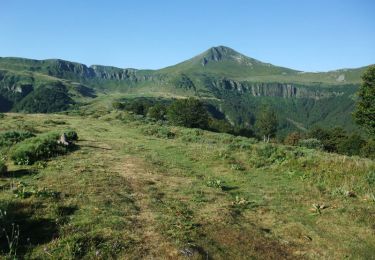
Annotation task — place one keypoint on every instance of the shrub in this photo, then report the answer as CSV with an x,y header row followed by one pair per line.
x,y
71,135
311,143
293,138
38,148
3,167
12,137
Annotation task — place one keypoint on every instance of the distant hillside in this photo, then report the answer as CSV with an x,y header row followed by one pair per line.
x,y
236,84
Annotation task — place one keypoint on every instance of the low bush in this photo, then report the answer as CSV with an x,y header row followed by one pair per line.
x,y
9,138
38,148
159,131
54,122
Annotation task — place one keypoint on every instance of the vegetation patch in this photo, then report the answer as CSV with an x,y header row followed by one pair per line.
x,y
38,148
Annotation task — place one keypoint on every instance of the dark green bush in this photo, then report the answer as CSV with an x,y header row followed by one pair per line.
x,y
38,148
12,137
71,135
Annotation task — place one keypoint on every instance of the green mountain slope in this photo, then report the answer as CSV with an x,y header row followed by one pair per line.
x,y
236,84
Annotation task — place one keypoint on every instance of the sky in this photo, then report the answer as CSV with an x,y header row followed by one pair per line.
x,y
317,35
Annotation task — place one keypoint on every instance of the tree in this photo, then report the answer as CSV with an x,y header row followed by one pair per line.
x,y
189,113
267,124
364,114
157,112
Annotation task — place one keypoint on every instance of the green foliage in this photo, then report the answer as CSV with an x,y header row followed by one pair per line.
x,y
311,143
330,138
188,113
365,110
38,148
267,123
157,112
9,138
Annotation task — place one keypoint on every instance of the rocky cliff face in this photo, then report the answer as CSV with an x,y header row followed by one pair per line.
x,y
273,89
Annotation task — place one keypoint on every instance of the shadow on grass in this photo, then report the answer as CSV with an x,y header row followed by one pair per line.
x,y
18,173
96,147
33,230
229,188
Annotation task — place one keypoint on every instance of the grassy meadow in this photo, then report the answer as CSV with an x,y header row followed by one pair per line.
x,y
137,189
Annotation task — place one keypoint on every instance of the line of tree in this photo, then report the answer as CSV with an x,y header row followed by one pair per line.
x,y
189,112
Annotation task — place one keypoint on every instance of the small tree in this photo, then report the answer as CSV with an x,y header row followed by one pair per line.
x,y
364,114
267,124
189,113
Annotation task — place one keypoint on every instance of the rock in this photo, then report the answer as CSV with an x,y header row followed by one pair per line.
x,y
350,194
63,140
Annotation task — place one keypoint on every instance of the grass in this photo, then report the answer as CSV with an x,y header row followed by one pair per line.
x,y
140,190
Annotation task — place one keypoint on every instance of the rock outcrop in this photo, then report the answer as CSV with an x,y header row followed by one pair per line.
x,y
273,89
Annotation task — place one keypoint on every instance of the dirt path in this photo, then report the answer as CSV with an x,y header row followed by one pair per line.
x,y
153,243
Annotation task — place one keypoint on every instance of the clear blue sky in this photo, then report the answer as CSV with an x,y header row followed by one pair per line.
x,y
306,35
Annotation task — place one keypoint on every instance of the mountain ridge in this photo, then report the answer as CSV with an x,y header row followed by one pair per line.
x,y
214,54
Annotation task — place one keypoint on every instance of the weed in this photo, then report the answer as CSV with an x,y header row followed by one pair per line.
x,y
215,183
11,234
22,190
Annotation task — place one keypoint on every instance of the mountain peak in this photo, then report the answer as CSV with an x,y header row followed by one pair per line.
x,y
223,53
